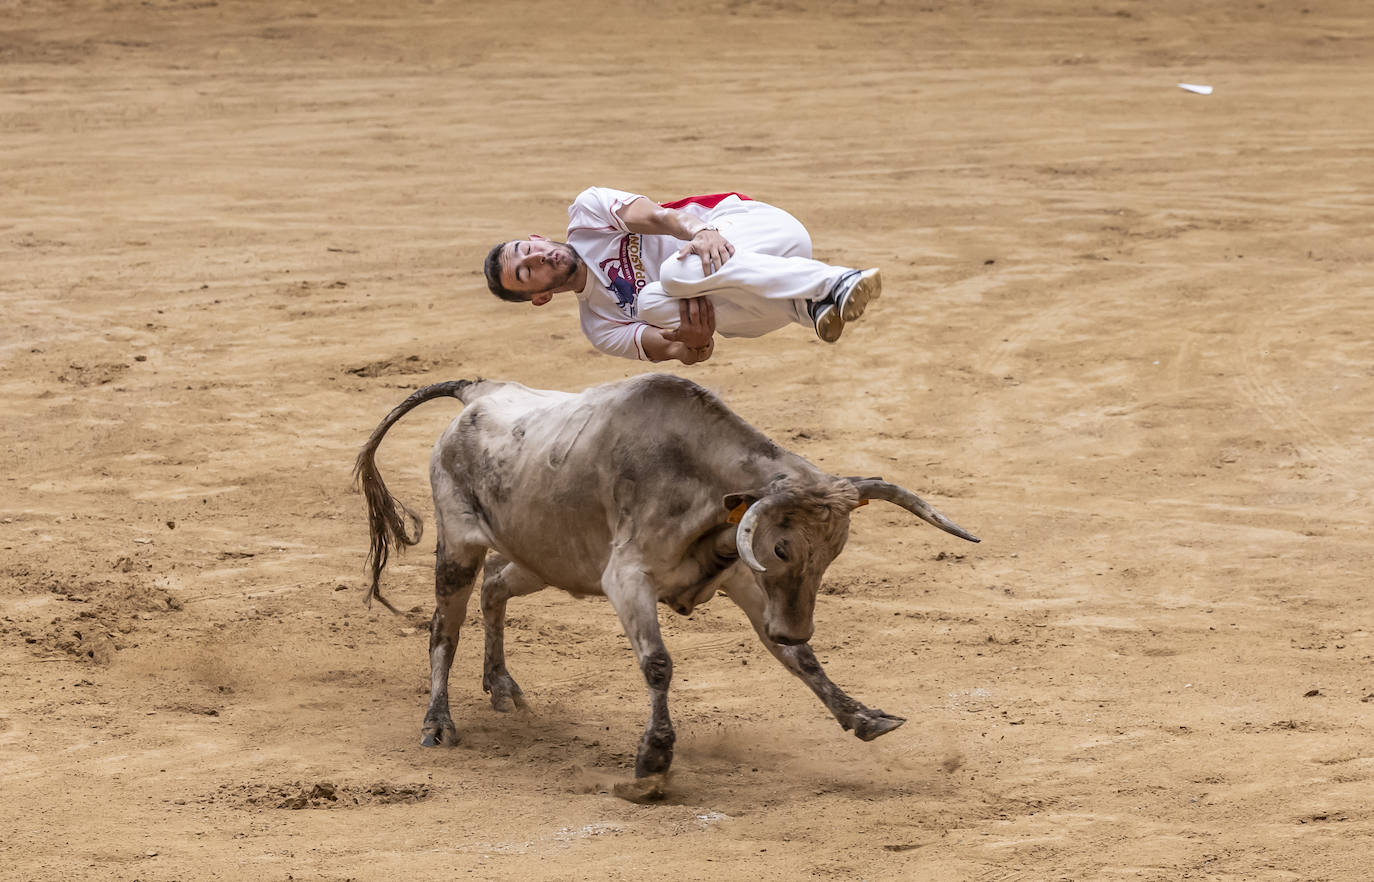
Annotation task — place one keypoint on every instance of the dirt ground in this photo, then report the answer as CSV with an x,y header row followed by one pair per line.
x,y
1125,338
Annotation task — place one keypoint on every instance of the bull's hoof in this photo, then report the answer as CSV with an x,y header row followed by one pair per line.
x,y
438,733
505,702
871,722
649,788
653,759
505,694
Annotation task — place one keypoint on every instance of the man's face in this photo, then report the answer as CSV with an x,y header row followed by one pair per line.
x,y
538,267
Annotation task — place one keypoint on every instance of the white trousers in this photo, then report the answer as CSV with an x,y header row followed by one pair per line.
x,y
765,285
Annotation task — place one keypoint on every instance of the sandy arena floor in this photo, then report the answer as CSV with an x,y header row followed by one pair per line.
x,y
1125,338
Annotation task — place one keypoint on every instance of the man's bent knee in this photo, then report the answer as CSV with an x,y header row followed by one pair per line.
x,y
658,309
675,275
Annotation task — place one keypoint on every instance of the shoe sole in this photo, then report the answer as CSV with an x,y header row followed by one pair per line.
x,y
830,324
854,301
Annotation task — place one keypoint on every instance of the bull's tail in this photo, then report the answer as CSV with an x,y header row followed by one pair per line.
x,y
390,523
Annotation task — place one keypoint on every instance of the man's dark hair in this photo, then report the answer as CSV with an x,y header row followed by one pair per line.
x,y
492,268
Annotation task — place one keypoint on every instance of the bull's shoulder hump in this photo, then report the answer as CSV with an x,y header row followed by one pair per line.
x,y
663,396
664,382
668,388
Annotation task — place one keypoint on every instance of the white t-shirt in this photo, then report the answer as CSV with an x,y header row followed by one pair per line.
x,y
620,263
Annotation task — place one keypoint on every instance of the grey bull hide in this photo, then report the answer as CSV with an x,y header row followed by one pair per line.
x,y
647,491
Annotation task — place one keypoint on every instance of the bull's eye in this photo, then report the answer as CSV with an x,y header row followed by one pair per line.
x,y
781,551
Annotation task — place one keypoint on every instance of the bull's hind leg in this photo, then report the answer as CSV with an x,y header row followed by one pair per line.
x,y
866,722
455,572
501,581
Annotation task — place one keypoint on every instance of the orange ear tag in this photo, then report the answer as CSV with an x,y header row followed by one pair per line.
x,y
737,513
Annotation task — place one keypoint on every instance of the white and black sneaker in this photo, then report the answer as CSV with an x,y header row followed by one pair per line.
x,y
825,315
854,291
845,302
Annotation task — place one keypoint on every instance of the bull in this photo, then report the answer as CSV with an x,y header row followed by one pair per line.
x,y
649,490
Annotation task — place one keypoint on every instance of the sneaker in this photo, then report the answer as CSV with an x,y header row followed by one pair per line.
x,y
825,315
853,292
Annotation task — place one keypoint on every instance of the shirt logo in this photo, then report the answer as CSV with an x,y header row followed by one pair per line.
x,y
625,273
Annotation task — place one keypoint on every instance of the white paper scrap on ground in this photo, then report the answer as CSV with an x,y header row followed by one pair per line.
x,y
1201,90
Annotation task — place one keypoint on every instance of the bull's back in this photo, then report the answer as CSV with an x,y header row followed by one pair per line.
x,y
520,458
553,475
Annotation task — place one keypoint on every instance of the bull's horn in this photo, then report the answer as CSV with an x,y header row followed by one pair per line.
x,y
877,488
744,536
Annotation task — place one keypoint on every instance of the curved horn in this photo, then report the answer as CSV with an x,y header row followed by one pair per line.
x,y
877,488
744,536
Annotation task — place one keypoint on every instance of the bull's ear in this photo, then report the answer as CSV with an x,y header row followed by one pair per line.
x,y
737,504
733,501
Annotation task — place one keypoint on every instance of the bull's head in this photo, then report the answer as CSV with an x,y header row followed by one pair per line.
x,y
789,534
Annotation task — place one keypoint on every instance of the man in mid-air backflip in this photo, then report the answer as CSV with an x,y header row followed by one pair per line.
x,y
640,293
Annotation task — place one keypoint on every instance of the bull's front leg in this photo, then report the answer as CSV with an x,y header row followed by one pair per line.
x,y
636,603
866,722
455,572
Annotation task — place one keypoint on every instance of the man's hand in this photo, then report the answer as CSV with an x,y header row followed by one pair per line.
x,y
701,353
711,247
697,325
692,342
658,349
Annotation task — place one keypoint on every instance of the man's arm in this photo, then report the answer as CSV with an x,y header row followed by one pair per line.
x,y
704,240
690,343
658,348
